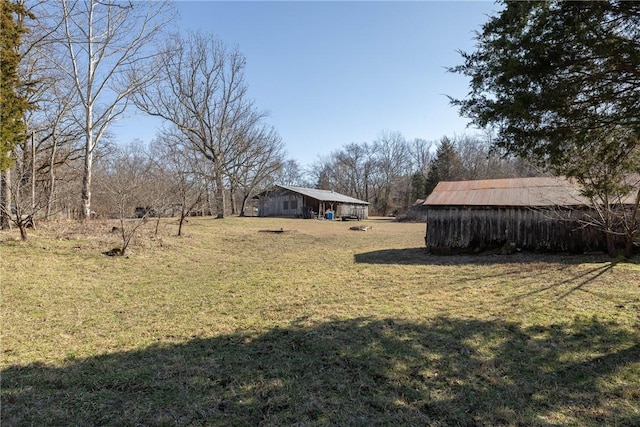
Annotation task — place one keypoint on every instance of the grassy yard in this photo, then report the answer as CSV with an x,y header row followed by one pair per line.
x,y
317,325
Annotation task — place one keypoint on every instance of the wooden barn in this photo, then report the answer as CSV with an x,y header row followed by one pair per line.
x,y
302,202
540,213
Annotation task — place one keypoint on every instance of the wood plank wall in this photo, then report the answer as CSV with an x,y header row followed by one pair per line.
x,y
468,229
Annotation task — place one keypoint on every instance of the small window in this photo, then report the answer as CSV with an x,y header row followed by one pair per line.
x,y
294,204
285,205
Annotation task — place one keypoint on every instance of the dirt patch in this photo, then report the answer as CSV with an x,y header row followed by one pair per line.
x,y
361,228
276,231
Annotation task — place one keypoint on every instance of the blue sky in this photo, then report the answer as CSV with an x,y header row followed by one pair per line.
x,y
332,73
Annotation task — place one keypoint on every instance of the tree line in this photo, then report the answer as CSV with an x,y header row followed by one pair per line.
x,y
79,66
554,85
392,173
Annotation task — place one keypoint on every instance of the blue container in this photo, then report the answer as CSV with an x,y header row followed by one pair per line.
x,y
329,215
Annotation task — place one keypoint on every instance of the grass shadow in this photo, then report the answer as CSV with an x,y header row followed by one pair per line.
x,y
576,282
359,372
421,256
407,256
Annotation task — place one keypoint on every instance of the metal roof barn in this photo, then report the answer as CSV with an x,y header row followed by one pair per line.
x,y
532,192
540,213
284,200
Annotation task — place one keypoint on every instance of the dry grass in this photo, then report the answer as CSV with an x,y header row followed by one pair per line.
x,y
317,325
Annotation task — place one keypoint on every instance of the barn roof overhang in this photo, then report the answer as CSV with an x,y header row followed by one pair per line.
x,y
320,195
536,192
487,207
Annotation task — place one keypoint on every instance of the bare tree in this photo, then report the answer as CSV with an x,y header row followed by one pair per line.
x,y
24,206
420,155
256,163
379,172
55,135
181,170
49,128
123,185
25,195
348,170
199,88
480,160
321,172
420,152
290,174
392,163
28,190
356,162
610,178
100,42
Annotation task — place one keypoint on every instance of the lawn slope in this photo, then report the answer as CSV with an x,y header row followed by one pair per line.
x,y
315,324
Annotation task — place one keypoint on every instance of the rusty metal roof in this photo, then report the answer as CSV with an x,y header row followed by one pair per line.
x,y
533,192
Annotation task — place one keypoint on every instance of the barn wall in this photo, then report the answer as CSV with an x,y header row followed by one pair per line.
x,y
282,204
472,228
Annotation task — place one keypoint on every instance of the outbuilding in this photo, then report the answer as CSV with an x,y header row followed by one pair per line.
x,y
540,213
284,200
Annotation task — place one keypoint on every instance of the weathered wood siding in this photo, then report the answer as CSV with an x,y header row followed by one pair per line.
x,y
284,204
461,229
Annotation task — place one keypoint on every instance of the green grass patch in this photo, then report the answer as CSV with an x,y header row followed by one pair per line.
x,y
318,325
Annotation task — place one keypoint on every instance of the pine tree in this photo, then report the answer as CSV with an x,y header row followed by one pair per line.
x,y
557,79
13,98
446,166
418,186
13,101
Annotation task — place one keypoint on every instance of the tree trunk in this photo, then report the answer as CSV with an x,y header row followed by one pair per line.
x,y
245,198
23,230
183,214
33,173
157,223
628,246
207,205
219,194
52,179
5,200
611,245
232,197
632,228
86,180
